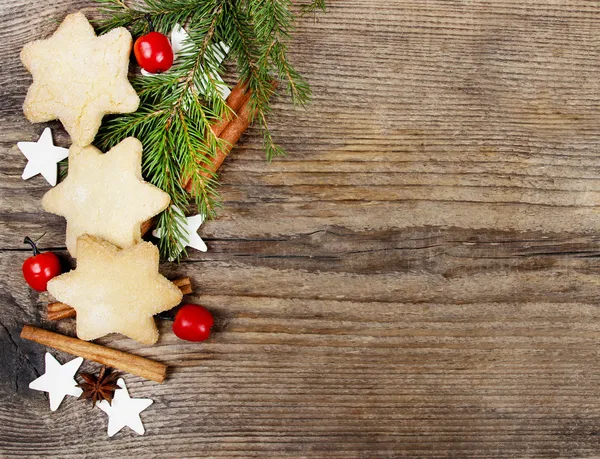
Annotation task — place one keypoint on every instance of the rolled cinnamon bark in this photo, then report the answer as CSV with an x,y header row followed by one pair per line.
x,y
230,135
60,311
237,98
148,225
134,364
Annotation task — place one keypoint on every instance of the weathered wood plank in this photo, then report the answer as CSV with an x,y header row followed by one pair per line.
x,y
419,278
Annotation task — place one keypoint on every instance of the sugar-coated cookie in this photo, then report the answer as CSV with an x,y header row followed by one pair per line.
x,y
79,77
104,195
116,291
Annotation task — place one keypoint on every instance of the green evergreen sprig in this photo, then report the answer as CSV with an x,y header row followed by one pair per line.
x,y
177,108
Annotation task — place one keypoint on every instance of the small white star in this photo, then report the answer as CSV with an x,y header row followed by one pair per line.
x,y
42,157
178,36
58,380
124,410
189,237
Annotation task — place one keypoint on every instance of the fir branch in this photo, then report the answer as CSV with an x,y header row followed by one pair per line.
x,y
178,108
245,48
164,13
254,69
273,25
313,6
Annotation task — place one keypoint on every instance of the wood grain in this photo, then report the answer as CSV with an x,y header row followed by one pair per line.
x,y
418,278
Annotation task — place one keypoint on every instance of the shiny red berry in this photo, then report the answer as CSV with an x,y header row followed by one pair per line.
x,y
153,52
193,322
40,268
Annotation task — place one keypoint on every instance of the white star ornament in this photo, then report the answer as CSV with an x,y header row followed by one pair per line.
x,y
189,237
58,380
124,410
42,157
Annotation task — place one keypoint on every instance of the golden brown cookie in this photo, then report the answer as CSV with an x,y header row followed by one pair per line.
x,y
79,77
105,195
116,291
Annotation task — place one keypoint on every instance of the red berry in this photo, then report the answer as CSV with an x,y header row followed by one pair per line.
x,y
153,52
193,322
40,268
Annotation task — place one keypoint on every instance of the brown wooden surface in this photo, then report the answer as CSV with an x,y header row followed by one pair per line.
x,y
420,277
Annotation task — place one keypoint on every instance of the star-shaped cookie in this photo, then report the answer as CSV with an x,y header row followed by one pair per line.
x,y
105,195
79,77
116,291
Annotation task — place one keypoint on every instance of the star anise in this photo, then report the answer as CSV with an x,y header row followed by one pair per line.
x,y
97,388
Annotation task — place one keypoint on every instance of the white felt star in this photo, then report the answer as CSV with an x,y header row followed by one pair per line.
x,y
42,157
189,236
58,380
179,37
124,410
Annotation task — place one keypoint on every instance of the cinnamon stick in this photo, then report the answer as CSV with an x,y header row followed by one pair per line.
x,y
231,134
129,363
184,285
237,98
148,225
59,311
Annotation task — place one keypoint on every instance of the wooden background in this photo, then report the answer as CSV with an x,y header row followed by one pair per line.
x,y
420,276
